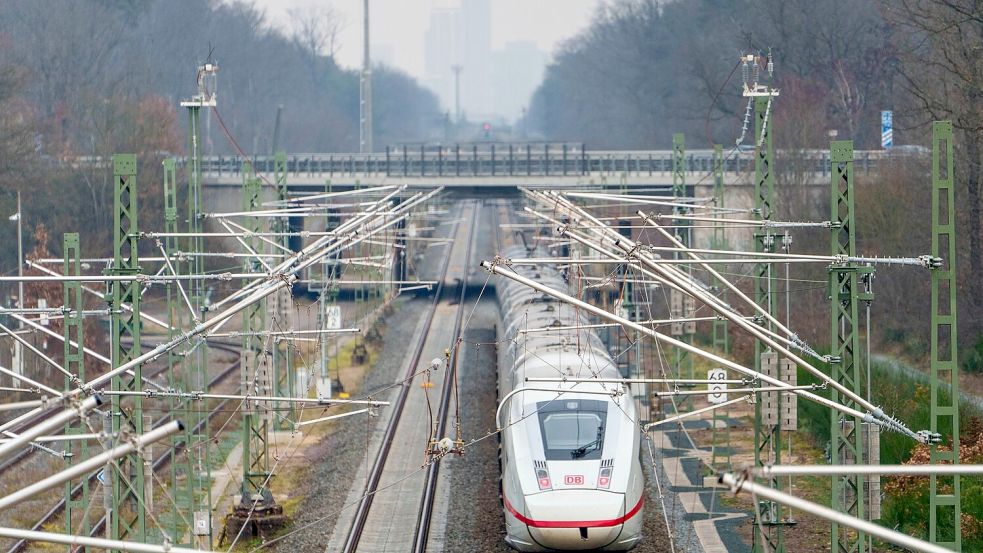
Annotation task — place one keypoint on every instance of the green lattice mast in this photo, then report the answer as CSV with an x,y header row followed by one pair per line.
x,y
75,364
720,337
767,429
683,305
256,372
127,520
846,434
945,503
283,360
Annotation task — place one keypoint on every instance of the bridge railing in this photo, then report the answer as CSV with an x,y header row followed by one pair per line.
x,y
516,161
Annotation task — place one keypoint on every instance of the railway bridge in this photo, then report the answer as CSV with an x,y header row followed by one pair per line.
x,y
490,167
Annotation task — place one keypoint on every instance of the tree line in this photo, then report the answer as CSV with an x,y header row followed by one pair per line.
x,y
96,77
645,69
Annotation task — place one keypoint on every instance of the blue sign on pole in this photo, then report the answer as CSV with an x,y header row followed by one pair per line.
x,y
887,129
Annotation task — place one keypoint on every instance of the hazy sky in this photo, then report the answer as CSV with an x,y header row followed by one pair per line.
x,y
399,25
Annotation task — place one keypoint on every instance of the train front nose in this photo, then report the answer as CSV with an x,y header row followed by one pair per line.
x,y
575,519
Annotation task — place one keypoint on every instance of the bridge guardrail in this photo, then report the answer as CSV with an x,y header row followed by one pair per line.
x,y
457,161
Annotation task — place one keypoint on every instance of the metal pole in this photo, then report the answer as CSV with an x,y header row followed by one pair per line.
x,y
20,253
737,485
255,374
847,445
365,91
197,396
79,543
944,494
283,359
129,516
638,380
681,305
47,426
74,331
736,390
85,467
183,494
18,348
720,336
906,470
700,411
767,434
721,339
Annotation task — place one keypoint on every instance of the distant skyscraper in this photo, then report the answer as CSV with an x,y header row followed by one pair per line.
x,y
476,94
517,70
493,84
442,49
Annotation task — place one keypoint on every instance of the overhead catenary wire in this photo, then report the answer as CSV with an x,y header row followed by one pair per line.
x,y
258,289
631,248
669,340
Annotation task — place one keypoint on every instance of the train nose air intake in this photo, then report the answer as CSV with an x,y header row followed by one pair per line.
x,y
583,533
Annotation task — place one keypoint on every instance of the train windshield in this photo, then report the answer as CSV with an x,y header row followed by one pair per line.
x,y
572,429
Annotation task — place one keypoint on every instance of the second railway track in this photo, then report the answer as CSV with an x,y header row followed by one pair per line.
x,y
397,503
159,463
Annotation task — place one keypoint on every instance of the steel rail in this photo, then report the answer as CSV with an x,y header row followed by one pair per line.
x,y
378,465
433,470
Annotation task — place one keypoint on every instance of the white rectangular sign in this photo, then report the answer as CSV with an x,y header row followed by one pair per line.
x,y
332,317
713,376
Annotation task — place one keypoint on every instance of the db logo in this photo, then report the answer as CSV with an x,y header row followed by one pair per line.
x,y
573,480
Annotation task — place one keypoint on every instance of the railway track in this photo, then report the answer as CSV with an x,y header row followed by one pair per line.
x,y
25,454
158,464
430,486
361,519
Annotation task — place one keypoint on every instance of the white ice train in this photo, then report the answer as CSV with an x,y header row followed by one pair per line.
x,y
571,477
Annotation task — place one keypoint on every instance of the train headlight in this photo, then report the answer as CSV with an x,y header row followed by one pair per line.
x,y
543,478
604,478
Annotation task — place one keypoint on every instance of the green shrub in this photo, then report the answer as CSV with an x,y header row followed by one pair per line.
x,y
972,358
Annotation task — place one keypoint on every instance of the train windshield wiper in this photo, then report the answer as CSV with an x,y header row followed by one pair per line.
x,y
590,446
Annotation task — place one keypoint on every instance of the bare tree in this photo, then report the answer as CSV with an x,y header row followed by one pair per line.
x,y
316,31
940,45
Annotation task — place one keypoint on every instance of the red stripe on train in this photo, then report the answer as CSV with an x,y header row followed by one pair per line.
x,y
573,523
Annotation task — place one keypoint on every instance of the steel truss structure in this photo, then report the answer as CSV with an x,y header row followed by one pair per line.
x,y
945,501
127,519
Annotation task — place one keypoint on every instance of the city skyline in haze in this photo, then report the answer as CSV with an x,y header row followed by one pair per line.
x,y
515,29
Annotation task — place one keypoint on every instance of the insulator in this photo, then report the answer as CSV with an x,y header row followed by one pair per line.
x,y
755,69
744,72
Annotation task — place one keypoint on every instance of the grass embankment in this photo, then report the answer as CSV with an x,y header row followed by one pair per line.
x,y
907,395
